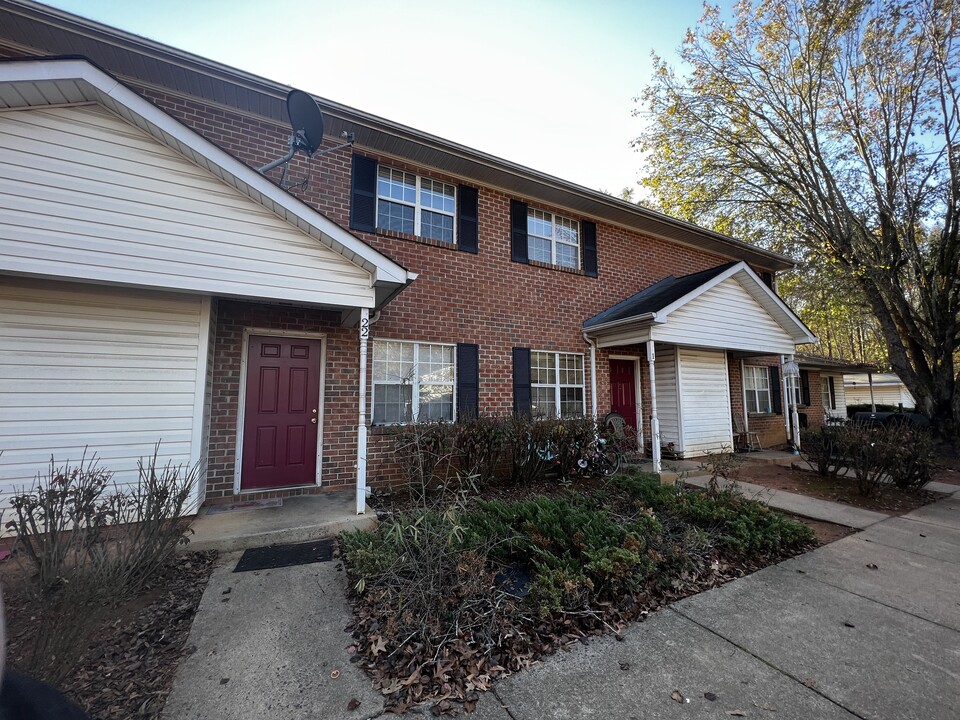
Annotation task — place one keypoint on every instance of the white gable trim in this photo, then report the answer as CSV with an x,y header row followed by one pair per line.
x,y
766,297
790,330
45,83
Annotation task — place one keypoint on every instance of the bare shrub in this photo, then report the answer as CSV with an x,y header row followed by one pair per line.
x,y
148,525
57,519
82,549
724,465
824,449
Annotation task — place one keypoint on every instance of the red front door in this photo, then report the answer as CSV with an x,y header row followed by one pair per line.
x,y
281,415
623,390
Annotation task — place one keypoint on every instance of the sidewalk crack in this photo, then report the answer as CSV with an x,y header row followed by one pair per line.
x,y
767,663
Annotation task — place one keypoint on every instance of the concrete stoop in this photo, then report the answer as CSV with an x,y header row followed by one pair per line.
x,y
298,519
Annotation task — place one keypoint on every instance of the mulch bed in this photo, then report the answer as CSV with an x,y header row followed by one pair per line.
x,y
133,649
451,682
892,501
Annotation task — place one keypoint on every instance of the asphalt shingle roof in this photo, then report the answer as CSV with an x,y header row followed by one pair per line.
x,y
656,297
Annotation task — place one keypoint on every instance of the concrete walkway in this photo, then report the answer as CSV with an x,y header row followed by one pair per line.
x,y
866,627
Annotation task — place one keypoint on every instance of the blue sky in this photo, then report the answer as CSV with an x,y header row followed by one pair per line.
x,y
548,84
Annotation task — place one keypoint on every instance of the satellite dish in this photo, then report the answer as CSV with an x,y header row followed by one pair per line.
x,y
306,120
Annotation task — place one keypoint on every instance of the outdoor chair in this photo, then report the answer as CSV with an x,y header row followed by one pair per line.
x,y
745,440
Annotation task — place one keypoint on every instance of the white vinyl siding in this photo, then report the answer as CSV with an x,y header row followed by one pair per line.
x,y
725,317
114,370
860,395
668,401
86,195
704,402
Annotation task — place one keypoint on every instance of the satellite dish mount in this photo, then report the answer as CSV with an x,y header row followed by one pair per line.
x,y
306,119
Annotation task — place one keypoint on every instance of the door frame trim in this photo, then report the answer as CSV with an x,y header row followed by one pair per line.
x,y
637,369
242,402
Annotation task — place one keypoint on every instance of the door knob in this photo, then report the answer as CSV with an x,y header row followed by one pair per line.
x,y
313,420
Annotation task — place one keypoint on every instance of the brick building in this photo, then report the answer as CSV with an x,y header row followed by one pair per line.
x,y
155,286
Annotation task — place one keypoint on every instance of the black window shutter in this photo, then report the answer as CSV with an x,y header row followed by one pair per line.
x,y
805,388
588,236
776,392
468,381
521,381
833,393
363,194
518,232
467,218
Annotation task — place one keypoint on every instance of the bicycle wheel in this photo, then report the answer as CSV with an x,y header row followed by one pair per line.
x,y
607,462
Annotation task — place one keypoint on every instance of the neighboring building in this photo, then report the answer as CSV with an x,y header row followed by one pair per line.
x,y
823,395
877,389
154,286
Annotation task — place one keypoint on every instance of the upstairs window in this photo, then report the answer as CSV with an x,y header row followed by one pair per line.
x,y
553,239
415,205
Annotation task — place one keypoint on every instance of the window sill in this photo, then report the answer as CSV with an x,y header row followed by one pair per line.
x,y
397,235
560,268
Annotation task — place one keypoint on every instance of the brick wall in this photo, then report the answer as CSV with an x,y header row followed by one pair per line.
x,y
482,298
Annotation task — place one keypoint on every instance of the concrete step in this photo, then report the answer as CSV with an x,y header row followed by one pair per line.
x,y
298,519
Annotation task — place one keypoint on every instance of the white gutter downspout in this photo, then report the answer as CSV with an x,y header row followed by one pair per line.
x,y
654,420
873,405
593,375
362,421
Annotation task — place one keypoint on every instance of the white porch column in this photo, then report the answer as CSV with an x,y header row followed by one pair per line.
x,y
593,375
873,405
654,420
362,422
791,369
784,381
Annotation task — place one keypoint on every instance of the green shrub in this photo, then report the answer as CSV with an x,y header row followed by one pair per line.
x,y
734,524
559,590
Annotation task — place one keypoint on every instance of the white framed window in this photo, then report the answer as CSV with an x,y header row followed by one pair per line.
x,y
556,384
756,389
412,382
825,394
416,205
553,239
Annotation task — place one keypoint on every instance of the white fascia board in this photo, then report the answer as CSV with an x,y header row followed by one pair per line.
x,y
117,97
602,328
797,330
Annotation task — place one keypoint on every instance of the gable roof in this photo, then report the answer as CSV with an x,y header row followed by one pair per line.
x,y
45,83
656,297
32,28
633,319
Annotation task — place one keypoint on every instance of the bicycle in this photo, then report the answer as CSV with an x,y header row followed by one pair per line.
x,y
600,460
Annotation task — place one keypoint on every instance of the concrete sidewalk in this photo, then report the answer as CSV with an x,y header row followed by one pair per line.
x,y
867,627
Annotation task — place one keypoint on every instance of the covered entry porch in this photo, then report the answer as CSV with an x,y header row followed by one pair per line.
x,y
680,349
